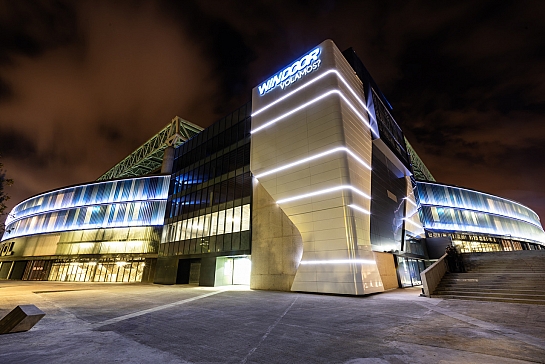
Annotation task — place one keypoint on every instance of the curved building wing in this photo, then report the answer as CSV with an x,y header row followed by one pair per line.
x,y
120,203
455,209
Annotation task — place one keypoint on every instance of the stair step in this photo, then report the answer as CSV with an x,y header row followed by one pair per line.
x,y
489,294
492,299
491,289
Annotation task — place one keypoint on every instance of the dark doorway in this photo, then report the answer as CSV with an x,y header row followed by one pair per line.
x,y
184,268
188,271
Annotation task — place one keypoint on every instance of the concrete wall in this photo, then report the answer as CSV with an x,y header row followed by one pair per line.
x,y
276,244
432,276
166,270
334,234
387,269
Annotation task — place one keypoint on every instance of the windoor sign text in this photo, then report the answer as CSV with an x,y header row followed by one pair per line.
x,y
292,73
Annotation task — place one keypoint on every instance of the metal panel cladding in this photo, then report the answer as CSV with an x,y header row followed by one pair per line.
x,y
128,202
451,208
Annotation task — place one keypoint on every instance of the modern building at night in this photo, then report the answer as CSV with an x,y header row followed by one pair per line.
x,y
310,187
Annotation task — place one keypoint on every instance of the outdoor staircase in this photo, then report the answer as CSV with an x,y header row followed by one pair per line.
x,y
516,277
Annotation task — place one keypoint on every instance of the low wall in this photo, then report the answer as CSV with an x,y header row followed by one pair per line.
x,y
433,275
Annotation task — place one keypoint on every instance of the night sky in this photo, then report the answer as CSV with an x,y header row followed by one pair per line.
x,y
84,83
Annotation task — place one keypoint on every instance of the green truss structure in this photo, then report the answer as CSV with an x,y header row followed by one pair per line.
x,y
149,156
421,172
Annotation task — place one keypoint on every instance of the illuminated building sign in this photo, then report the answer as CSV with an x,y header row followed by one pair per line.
x,y
292,73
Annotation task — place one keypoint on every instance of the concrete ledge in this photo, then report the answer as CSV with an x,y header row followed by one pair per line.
x,y
432,276
21,318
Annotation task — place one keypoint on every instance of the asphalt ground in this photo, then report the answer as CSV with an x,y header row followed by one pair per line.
x,y
146,323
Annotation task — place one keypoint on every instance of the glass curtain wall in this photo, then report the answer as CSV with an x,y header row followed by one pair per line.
x,y
208,210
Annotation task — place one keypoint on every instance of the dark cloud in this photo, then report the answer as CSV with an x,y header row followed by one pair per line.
x,y
83,83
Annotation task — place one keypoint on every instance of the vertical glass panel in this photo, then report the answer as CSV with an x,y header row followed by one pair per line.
x,y
245,217
237,218
214,224
221,222
228,221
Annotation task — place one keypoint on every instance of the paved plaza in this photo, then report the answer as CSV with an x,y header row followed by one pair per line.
x,y
145,323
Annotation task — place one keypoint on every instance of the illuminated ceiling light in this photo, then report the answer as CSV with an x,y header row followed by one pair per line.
x,y
92,263
321,192
339,261
120,264
308,159
361,209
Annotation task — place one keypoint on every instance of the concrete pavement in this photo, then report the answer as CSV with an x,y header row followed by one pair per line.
x,y
145,323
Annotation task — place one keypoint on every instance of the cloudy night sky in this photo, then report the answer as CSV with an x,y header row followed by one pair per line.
x,y
84,83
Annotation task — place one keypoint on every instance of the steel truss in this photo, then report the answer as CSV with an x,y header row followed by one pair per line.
x,y
149,156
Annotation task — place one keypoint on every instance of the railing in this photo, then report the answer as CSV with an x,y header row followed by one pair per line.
x,y
432,276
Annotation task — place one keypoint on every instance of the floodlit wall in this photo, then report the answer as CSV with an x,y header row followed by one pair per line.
x,y
456,209
311,151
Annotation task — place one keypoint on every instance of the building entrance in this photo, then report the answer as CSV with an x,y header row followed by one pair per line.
x,y
233,270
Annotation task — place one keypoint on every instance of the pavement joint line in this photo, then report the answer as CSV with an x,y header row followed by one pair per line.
x,y
269,330
154,309
527,339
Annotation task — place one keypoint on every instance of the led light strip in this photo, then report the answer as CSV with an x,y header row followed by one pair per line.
x,y
316,156
361,209
467,229
413,223
457,208
300,107
83,206
321,192
477,193
79,203
409,201
338,261
328,72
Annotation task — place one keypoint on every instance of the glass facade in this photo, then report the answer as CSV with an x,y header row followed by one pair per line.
x,y
455,209
130,202
208,208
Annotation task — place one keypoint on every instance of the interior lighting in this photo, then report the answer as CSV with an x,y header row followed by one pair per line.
x,y
321,192
120,264
316,156
338,261
361,209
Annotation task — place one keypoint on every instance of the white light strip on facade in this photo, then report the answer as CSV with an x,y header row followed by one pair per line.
x,y
83,206
465,229
321,192
294,110
300,107
413,223
328,72
409,201
316,156
361,209
339,261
